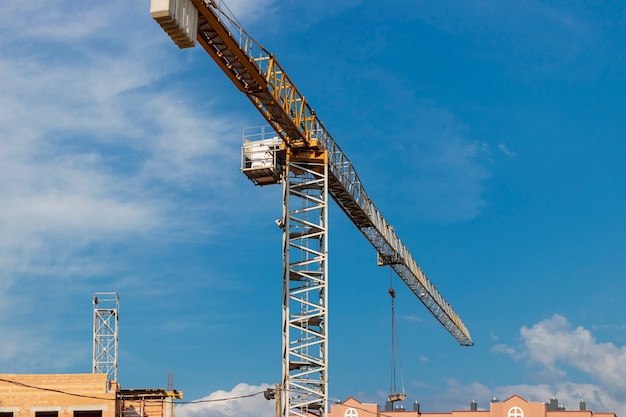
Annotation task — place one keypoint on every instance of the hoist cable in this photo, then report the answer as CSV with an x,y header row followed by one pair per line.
x,y
395,348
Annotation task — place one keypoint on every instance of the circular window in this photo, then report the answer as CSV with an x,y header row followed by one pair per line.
x,y
351,412
516,412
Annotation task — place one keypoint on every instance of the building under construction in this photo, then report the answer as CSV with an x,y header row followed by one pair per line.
x,y
97,394
79,395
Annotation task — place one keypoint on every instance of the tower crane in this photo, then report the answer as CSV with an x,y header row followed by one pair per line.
x,y
299,153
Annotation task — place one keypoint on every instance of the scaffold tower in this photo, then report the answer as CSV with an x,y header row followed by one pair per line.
x,y
106,307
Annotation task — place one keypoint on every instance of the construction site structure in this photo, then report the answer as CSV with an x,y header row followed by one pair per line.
x,y
80,395
298,152
106,308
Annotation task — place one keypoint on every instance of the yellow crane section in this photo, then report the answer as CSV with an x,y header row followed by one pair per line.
x,y
257,73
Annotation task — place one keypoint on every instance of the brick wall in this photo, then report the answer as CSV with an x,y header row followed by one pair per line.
x,y
24,395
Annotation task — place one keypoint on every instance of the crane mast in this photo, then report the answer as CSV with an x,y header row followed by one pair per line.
x,y
305,158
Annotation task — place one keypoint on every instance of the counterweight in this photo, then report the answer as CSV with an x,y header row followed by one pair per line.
x,y
306,144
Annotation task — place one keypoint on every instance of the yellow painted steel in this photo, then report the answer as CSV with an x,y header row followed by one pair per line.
x,y
257,73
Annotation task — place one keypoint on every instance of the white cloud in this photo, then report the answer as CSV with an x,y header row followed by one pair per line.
x,y
555,349
554,344
503,348
61,23
96,155
242,401
555,352
507,151
412,318
458,396
91,148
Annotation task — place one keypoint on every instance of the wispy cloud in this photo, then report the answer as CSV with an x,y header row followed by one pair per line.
x,y
503,348
506,150
540,39
91,148
95,155
246,11
446,181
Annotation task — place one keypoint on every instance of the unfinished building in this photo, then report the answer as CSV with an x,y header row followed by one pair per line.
x,y
79,395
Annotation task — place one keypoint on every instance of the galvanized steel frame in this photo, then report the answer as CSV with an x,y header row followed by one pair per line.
x,y
105,333
304,387
349,193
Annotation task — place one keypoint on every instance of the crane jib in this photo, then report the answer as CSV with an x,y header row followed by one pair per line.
x,y
258,74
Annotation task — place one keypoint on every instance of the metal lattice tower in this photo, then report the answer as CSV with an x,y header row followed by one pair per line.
x,y
305,297
106,307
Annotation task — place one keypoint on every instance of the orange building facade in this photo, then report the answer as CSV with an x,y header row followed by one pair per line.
x,y
79,395
57,395
514,406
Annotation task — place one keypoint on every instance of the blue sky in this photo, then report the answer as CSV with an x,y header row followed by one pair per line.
x,y
489,134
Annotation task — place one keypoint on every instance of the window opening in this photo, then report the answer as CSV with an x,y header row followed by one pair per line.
x,y
46,414
516,412
87,413
351,412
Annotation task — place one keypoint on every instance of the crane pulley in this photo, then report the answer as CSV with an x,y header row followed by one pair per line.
x,y
299,153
